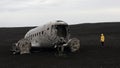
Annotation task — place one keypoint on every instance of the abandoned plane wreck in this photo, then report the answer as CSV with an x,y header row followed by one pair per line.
x,y
54,34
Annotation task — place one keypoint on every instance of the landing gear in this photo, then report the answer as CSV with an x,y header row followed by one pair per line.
x,y
73,45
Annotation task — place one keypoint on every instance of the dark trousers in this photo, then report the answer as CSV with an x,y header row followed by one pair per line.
x,y
102,44
60,50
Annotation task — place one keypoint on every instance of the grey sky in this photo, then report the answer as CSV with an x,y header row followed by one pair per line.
x,y
37,12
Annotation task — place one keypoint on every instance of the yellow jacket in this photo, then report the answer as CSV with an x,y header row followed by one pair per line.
x,y
102,38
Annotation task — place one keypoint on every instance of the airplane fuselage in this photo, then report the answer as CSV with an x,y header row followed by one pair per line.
x,y
47,35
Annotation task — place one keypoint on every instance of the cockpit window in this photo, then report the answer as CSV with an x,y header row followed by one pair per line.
x,y
59,21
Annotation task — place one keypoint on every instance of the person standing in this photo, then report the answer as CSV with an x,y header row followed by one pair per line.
x,y
59,46
102,39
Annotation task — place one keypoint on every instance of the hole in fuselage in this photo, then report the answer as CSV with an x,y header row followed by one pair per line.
x,y
62,30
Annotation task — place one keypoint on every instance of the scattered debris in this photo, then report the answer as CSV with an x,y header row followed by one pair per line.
x,y
23,46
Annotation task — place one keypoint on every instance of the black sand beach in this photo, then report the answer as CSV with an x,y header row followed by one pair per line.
x,y
89,56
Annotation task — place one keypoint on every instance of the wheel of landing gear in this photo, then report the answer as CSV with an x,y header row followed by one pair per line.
x,y
74,44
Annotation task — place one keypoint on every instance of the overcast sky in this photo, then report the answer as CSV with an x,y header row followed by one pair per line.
x,y
15,13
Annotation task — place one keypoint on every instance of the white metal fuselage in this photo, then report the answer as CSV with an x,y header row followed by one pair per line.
x,y
47,35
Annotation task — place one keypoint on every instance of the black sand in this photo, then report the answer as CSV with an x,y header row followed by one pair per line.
x,y
89,56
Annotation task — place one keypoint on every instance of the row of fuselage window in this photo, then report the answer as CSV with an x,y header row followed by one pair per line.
x,y
36,34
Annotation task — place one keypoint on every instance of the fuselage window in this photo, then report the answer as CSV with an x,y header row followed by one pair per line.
x,y
39,33
36,34
47,28
42,32
33,35
30,37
